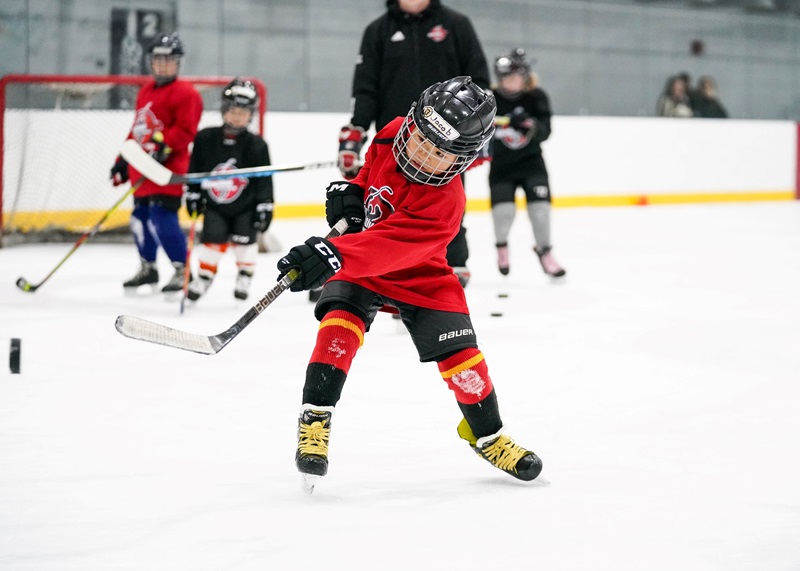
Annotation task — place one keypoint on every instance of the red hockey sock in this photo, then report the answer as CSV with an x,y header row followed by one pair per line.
x,y
340,335
467,376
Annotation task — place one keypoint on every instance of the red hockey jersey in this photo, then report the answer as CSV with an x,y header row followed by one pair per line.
x,y
401,252
174,109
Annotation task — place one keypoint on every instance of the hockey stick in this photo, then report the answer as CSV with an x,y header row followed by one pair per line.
x,y
187,271
162,176
143,330
25,285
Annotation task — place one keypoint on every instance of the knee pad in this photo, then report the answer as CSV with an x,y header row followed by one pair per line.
x,y
467,375
340,335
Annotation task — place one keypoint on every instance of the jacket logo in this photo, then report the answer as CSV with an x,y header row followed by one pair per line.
x,y
397,37
376,203
444,128
437,33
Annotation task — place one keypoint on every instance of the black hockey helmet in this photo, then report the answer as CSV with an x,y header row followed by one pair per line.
x,y
455,116
165,46
240,93
514,61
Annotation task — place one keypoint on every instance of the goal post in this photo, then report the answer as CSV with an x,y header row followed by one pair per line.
x,y
59,137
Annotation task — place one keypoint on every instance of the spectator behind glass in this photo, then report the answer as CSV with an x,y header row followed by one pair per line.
x,y
674,102
706,102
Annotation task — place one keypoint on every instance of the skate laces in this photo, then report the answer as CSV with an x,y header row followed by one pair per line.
x,y
504,453
313,438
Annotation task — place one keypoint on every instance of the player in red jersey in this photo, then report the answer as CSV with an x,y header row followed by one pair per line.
x,y
408,198
167,113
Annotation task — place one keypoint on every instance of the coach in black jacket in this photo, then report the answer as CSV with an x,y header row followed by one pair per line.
x,y
415,44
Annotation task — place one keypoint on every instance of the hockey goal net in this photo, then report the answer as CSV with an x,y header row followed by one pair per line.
x,y
59,137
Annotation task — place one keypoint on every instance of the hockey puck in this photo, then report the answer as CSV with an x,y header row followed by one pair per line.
x,y
497,314
502,295
14,355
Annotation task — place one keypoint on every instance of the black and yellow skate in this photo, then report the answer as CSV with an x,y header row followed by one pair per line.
x,y
503,453
313,434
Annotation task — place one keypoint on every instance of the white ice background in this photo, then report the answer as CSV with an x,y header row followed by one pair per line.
x,y
660,384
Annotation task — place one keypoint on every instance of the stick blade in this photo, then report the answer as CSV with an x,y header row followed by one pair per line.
x,y
25,285
147,166
143,330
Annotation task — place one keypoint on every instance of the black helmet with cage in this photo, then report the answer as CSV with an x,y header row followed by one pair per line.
x,y
514,61
453,120
167,47
239,93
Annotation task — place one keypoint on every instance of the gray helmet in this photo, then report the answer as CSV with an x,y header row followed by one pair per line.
x,y
455,116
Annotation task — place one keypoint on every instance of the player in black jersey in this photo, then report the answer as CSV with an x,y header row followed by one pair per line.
x,y
523,123
235,209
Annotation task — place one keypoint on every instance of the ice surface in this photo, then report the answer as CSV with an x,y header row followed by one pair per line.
x,y
659,384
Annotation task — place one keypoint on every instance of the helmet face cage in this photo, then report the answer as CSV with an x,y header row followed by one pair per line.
x,y
514,61
426,164
168,47
444,131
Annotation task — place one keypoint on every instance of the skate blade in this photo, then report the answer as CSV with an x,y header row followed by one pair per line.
x,y
308,481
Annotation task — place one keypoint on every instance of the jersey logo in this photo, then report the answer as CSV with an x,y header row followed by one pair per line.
x,y
145,123
377,205
397,37
225,190
437,33
511,138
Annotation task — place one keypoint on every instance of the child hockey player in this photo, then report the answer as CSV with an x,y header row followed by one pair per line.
x,y
235,208
167,113
523,123
408,198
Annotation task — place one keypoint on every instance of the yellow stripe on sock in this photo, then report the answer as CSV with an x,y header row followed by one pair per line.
x,y
468,364
346,324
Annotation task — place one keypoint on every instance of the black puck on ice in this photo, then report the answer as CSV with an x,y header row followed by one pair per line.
x,y
497,314
14,355
502,295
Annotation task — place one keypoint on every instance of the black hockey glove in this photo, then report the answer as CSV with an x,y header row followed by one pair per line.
x,y
119,172
317,260
521,121
345,200
195,202
158,148
263,216
351,139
